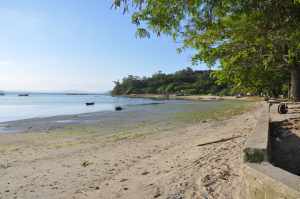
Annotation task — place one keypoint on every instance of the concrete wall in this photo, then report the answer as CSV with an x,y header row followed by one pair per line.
x,y
264,181
260,179
256,148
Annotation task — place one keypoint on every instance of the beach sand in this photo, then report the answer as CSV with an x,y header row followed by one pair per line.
x,y
155,159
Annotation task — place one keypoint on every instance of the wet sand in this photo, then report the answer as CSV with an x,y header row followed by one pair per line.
x,y
129,117
156,157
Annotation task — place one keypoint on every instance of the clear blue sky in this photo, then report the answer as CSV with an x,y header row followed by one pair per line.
x,y
82,45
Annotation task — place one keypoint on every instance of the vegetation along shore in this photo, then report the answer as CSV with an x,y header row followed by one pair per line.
x,y
189,82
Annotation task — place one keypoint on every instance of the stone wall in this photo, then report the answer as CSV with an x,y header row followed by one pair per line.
x,y
260,179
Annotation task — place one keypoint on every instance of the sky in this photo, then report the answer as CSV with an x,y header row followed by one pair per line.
x,y
76,45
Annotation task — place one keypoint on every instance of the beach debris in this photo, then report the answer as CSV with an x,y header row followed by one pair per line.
x,y
94,187
90,103
145,173
220,140
86,163
118,108
157,193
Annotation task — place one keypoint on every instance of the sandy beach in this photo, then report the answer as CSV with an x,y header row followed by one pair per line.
x,y
134,158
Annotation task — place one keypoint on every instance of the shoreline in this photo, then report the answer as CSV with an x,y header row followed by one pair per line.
x,y
163,99
192,97
139,113
158,158
76,118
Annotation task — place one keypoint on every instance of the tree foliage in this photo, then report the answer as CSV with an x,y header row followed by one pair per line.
x,y
188,82
256,42
183,82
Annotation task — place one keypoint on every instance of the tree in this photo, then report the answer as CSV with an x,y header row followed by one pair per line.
x,y
186,81
248,38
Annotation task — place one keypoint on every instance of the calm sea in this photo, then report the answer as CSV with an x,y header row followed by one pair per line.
x,y
14,107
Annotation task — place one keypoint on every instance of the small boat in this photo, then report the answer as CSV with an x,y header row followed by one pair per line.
x,y
90,103
23,95
118,108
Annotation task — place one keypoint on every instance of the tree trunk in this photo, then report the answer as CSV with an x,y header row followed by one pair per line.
x,y
295,84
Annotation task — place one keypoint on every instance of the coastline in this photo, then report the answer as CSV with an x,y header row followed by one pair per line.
x,y
192,97
144,153
153,112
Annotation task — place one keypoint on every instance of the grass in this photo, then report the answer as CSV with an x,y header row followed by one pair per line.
x,y
222,111
125,136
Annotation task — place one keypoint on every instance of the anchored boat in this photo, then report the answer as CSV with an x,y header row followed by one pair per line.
x,y
23,95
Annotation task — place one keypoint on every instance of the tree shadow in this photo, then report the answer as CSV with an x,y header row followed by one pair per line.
x,y
285,145
292,112
294,109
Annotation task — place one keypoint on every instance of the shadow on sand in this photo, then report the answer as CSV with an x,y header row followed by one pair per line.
x,y
285,145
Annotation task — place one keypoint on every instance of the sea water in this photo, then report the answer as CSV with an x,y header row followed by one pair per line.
x,y
14,107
